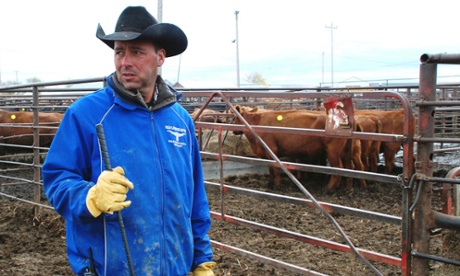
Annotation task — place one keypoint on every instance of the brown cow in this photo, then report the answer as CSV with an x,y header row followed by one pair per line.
x,y
319,160
287,145
16,127
208,115
392,123
352,155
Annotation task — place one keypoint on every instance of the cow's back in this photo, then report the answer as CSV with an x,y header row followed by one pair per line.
x,y
283,144
17,127
392,122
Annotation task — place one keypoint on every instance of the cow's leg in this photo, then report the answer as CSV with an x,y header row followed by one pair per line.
x,y
365,153
277,177
348,155
358,164
335,160
389,154
271,177
274,177
302,175
299,174
374,156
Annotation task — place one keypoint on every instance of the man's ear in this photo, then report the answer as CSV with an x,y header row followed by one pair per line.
x,y
161,56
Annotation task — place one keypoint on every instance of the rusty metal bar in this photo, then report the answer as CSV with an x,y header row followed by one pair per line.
x,y
35,204
446,150
443,180
25,181
446,199
424,166
20,146
283,95
41,84
441,58
455,193
437,103
386,178
264,259
456,200
36,151
446,221
221,175
436,139
309,239
435,258
306,131
329,207
408,143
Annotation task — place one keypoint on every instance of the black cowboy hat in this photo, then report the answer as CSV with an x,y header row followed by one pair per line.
x,y
138,23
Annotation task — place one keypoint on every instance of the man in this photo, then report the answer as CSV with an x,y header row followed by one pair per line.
x,y
158,182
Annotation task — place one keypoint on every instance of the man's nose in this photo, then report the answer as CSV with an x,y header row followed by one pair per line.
x,y
126,61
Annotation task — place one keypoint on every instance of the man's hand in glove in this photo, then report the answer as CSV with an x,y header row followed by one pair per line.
x,y
204,269
109,193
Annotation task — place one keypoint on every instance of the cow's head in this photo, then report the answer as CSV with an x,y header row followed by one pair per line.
x,y
241,110
235,120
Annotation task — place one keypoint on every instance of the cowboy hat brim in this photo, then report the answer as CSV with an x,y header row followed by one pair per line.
x,y
166,35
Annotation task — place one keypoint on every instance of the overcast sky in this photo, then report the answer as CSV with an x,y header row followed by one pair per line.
x,y
287,42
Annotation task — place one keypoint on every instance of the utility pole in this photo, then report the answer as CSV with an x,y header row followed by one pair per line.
x,y
160,19
322,69
237,52
0,68
178,70
332,27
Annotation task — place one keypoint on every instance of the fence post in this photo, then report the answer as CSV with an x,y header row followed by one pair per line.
x,y
424,166
36,150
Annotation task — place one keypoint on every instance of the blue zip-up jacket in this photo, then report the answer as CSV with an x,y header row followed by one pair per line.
x,y
168,220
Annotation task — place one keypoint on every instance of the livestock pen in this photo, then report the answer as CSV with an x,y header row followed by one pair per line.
x,y
414,233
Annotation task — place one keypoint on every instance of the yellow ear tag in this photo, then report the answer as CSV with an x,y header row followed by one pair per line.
x,y
13,116
279,118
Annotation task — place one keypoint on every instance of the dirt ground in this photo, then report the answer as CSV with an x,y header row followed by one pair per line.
x,y
32,245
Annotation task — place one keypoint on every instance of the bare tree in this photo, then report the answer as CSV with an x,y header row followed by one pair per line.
x,y
256,78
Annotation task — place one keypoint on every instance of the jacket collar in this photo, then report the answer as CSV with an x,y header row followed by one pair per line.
x,y
164,94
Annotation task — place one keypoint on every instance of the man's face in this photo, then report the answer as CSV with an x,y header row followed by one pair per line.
x,y
136,64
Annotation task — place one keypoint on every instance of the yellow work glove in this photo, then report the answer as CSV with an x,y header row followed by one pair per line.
x,y
204,269
109,193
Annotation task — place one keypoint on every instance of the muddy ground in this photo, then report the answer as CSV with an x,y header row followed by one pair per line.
x,y
35,245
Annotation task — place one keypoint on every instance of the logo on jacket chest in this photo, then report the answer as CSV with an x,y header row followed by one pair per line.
x,y
177,133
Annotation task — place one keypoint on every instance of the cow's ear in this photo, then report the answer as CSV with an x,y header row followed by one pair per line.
x,y
255,109
238,108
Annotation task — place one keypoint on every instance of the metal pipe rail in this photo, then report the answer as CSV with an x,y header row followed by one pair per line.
x,y
440,58
446,221
51,83
264,259
305,131
329,207
309,239
308,168
434,258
